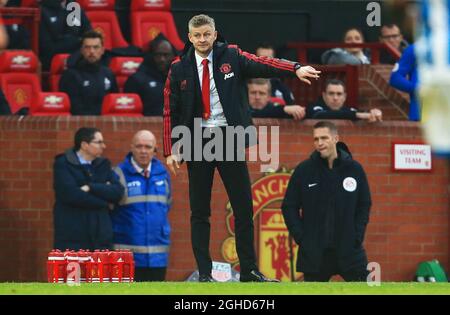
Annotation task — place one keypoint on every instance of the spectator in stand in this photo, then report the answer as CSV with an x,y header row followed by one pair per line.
x,y
4,106
404,77
149,79
19,37
332,105
56,36
3,35
261,106
350,55
391,35
279,89
88,81
86,190
141,221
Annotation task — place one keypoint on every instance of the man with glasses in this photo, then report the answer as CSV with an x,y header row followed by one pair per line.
x,y
86,190
332,105
88,81
392,36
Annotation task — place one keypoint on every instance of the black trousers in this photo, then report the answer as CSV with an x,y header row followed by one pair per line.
x,y
236,180
329,268
149,274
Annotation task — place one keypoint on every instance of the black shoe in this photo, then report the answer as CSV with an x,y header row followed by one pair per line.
x,y
205,278
256,276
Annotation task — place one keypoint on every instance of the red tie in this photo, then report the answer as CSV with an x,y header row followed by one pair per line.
x,y
146,173
205,90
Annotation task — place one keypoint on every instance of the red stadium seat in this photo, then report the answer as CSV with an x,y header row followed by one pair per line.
x,y
103,18
57,67
277,100
102,5
50,104
29,4
18,61
123,67
106,23
122,104
148,19
19,89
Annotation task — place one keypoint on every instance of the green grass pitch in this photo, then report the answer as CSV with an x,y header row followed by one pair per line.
x,y
229,288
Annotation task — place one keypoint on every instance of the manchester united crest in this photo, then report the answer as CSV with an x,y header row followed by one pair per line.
x,y
225,68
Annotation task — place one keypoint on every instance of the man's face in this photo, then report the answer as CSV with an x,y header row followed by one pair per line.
x,y
391,36
265,52
334,96
143,149
95,147
325,142
92,49
202,38
258,95
163,56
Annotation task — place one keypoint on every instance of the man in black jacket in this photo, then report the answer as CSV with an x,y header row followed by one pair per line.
x,y
261,106
148,81
326,209
332,105
88,81
56,35
85,192
206,89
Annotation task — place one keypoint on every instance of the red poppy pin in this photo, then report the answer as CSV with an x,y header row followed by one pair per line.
x,y
183,85
225,68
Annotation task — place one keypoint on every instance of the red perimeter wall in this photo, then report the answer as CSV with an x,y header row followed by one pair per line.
x,y
409,219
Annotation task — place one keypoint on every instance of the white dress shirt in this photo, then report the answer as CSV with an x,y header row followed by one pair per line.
x,y
217,118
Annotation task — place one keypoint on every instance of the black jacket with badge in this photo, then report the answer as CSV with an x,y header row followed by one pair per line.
x,y
335,205
56,36
83,218
320,110
87,84
231,68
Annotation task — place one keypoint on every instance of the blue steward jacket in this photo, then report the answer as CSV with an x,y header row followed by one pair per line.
x,y
141,221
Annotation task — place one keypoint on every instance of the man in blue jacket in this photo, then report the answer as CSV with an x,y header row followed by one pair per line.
x,y
141,222
404,77
86,190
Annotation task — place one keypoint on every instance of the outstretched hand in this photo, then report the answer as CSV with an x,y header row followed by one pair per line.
x,y
307,72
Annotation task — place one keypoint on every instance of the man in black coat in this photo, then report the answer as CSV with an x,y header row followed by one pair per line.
x,y
85,193
332,105
261,106
206,89
148,81
88,81
326,209
56,35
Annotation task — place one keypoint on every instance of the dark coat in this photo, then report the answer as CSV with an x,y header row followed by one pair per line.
x,y
332,216
83,218
4,106
269,111
279,89
231,68
149,84
55,35
87,84
320,110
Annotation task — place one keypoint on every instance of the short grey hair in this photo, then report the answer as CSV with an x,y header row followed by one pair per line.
x,y
200,20
261,81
